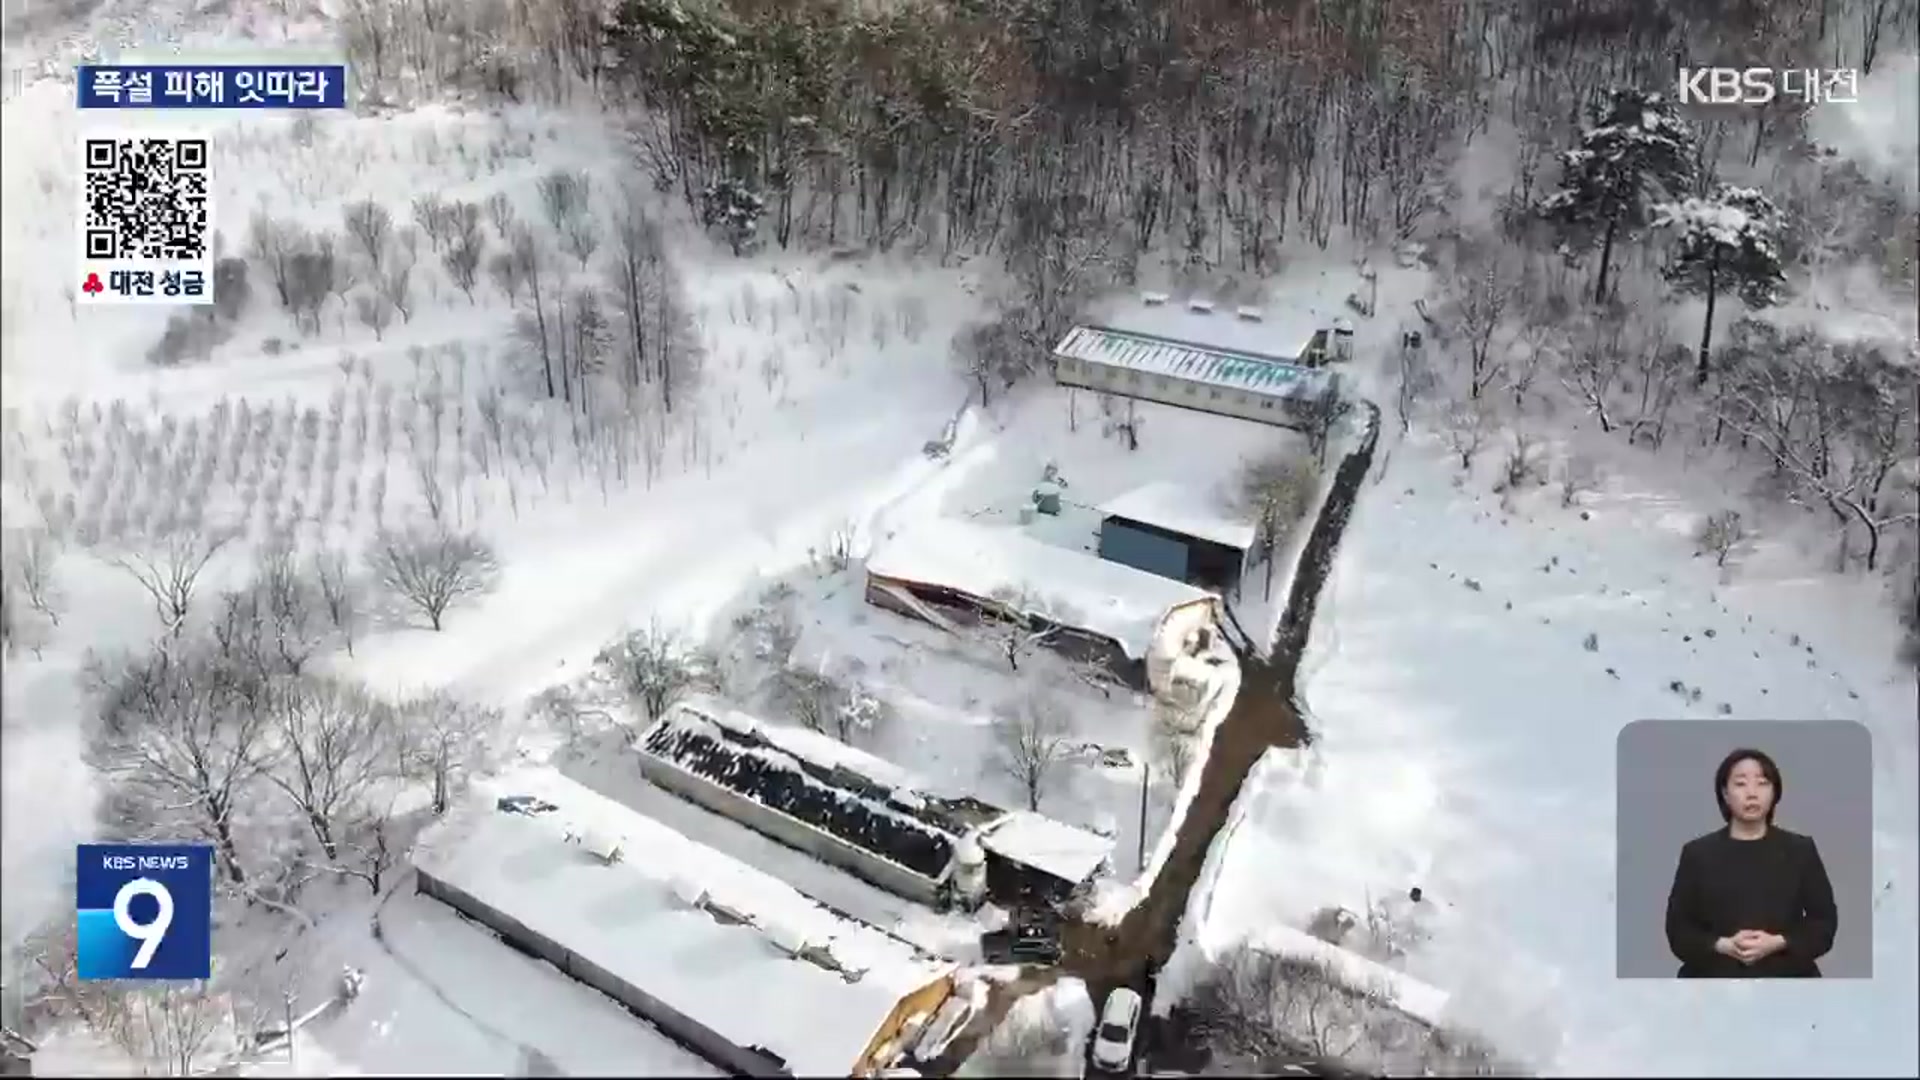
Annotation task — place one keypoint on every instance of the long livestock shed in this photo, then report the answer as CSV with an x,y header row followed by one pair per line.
x,y
733,963
839,804
850,809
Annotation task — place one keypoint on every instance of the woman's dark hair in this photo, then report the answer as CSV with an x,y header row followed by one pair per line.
x,y
1767,769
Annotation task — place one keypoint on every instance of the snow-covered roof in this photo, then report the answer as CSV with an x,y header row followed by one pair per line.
x,y
1188,509
1067,587
1421,1001
1061,850
649,919
1282,332
1195,363
847,793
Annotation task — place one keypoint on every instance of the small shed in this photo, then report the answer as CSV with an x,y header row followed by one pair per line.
x,y
1032,855
1177,531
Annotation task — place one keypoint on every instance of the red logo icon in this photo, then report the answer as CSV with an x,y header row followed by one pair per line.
x,y
92,284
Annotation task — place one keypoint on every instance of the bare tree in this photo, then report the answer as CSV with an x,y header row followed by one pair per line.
x,y
504,269
1415,380
179,733
395,286
1602,348
1489,285
442,739
1020,622
273,625
809,695
374,310
1318,415
1275,493
176,1029
1837,421
1466,430
1521,464
563,195
1578,475
582,237
656,667
1720,534
465,251
170,573
1033,744
432,217
333,750
30,557
371,226
432,568
340,594
273,243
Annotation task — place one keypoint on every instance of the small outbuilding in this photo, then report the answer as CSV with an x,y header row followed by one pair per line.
x,y
1035,857
1177,531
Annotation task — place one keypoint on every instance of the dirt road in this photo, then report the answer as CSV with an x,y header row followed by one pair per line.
x,y
1265,714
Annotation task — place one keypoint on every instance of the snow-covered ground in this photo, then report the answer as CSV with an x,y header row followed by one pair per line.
x,y
1464,744
1465,736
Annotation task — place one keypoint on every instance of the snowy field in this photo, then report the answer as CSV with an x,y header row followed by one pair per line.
x,y
1474,660
1490,784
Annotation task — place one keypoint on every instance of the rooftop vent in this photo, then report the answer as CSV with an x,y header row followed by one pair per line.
x,y
1200,307
1248,314
1153,299
601,846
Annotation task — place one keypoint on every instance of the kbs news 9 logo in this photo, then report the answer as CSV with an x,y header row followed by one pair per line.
x,y
145,911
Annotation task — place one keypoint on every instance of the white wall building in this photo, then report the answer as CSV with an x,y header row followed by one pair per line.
x,y
1244,364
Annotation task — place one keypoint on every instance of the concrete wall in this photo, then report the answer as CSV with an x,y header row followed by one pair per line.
x,y
689,1032
1167,389
790,831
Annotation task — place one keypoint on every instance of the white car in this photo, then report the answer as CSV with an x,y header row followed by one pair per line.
x,y
1113,1039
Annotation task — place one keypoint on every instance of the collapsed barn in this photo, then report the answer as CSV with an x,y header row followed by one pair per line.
x,y
846,807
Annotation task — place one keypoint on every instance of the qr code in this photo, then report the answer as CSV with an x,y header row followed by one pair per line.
x,y
146,199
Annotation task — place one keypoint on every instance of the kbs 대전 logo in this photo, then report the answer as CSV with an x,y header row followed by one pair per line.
x,y
144,911
1763,86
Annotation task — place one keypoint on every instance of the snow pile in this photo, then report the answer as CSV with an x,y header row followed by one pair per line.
x,y
735,753
1113,899
1069,588
728,965
1043,1034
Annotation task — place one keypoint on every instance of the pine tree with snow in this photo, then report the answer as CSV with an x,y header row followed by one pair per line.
x,y
1728,242
1637,152
735,209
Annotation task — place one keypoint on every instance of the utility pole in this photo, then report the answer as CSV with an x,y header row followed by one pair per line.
x,y
1146,773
